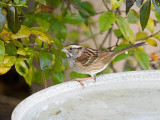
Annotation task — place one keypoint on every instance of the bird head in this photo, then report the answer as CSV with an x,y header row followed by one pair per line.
x,y
72,50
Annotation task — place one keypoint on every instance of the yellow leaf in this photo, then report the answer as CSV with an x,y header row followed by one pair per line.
x,y
22,33
150,25
157,36
151,42
4,69
84,27
138,23
116,3
154,56
152,6
41,34
141,35
5,35
44,8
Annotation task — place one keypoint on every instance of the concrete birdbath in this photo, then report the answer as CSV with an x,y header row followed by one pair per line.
x,y
118,96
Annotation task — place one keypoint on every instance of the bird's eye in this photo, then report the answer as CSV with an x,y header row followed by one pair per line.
x,y
70,48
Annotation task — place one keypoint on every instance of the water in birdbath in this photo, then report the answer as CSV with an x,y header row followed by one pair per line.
x,y
102,104
122,96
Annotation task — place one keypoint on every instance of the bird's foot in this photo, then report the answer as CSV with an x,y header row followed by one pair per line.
x,y
82,79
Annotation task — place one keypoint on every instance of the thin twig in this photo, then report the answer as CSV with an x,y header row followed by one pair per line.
x,y
114,45
89,38
44,79
106,5
114,70
150,35
110,38
99,13
94,39
105,39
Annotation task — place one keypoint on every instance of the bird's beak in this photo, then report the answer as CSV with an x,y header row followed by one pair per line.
x,y
63,50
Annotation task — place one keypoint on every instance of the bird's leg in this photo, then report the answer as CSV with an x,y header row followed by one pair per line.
x,y
94,77
82,79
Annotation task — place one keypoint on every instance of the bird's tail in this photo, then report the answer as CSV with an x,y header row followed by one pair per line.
x,y
129,47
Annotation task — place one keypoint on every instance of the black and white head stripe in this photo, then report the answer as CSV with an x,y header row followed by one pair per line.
x,y
74,46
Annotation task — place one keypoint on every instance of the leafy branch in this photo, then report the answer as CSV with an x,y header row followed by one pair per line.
x,y
20,42
10,5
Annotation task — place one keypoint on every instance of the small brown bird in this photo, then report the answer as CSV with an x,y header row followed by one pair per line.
x,y
91,61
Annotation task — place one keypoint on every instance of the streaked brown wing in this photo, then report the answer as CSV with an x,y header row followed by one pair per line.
x,y
90,56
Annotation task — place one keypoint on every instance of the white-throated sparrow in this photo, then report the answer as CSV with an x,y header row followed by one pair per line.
x,y
90,61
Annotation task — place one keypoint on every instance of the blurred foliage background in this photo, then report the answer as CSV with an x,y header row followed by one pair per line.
x,y
32,33
38,35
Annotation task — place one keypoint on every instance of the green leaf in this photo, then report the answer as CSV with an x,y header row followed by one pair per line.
x,y
74,75
29,20
125,29
142,58
10,49
45,16
29,77
17,43
22,33
25,41
17,1
58,44
85,8
150,25
157,14
2,20
45,59
21,51
13,20
139,2
43,23
9,60
59,29
132,16
116,3
37,75
157,36
73,36
21,67
130,65
105,21
144,13
58,77
129,4
74,19
41,1
141,35
41,34
151,42
156,4
118,33
2,51
123,55
59,65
